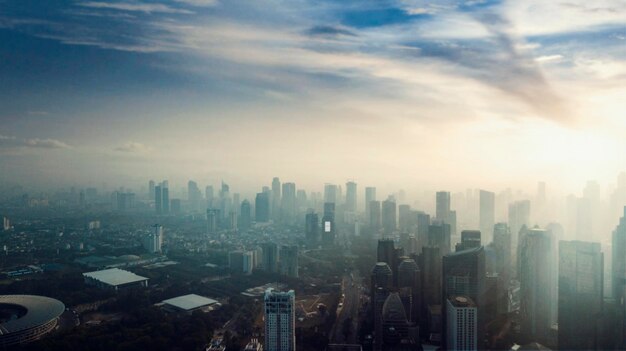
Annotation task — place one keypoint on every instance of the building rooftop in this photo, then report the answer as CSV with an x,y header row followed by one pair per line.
x,y
461,301
189,302
30,310
115,276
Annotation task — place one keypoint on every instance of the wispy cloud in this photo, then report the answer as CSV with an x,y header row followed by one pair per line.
x,y
135,7
14,142
133,147
199,3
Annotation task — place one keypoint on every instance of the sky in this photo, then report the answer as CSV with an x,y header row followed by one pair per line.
x,y
407,93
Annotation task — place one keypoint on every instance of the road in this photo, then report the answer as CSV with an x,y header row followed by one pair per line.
x,y
351,289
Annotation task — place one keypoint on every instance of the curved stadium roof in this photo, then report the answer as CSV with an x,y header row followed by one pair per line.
x,y
39,310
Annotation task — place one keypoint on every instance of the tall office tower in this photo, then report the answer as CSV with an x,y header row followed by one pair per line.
x,y
439,236
442,211
370,195
245,215
389,216
519,216
125,201
386,252
618,259
270,257
469,239
328,225
487,214
158,199
280,320
374,216
288,202
380,283
330,193
409,276
151,186
536,284
262,207
194,196
301,199
232,220
462,323
166,197
6,224
154,241
212,219
581,294
276,199
209,196
463,273
289,260
502,248
225,204
584,219
421,231
312,230
431,276
404,218
351,197
395,325
236,200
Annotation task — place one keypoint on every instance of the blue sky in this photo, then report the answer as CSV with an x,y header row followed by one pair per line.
x,y
121,91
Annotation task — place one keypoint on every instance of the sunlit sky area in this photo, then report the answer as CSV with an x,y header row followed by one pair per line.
x,y
432,94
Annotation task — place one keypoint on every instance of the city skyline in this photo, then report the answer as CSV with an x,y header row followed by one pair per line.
x,y
397,92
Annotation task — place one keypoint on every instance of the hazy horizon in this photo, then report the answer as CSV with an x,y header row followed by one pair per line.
x,y
399,94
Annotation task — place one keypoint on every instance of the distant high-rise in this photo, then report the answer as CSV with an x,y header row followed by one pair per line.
x,y
165,193
381,283
442,205
463,273
153,241
351,196
618,259
580,303
421,231
519,216
409,276
439,236
375,216
209,195
535,284
330,193
288,202
405,219
462,323
194,196
262,207
328,225
370,195
431,276
280,320
212,217
158,199
502,248
487,214
289,260
151,186
386,252
389,216
245,215
276,198
270,257
469,239
312,230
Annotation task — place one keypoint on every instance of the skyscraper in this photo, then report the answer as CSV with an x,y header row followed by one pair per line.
x,y
502,248
519,216
153,241
374,217
212,218
536,284
289,260
262,207
421,231
151,186
209,194
158,199
288,202
330,193
328,225
442,206
270,257
280,320
463,273
487,214
275,199
439,236
389,216
312,230
351,196
370,195
165,193
381,283
581,287
405,219
245,215
194,196
462,323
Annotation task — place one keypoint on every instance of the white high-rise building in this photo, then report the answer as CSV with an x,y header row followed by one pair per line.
x,y
462,323
153,242
280,320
